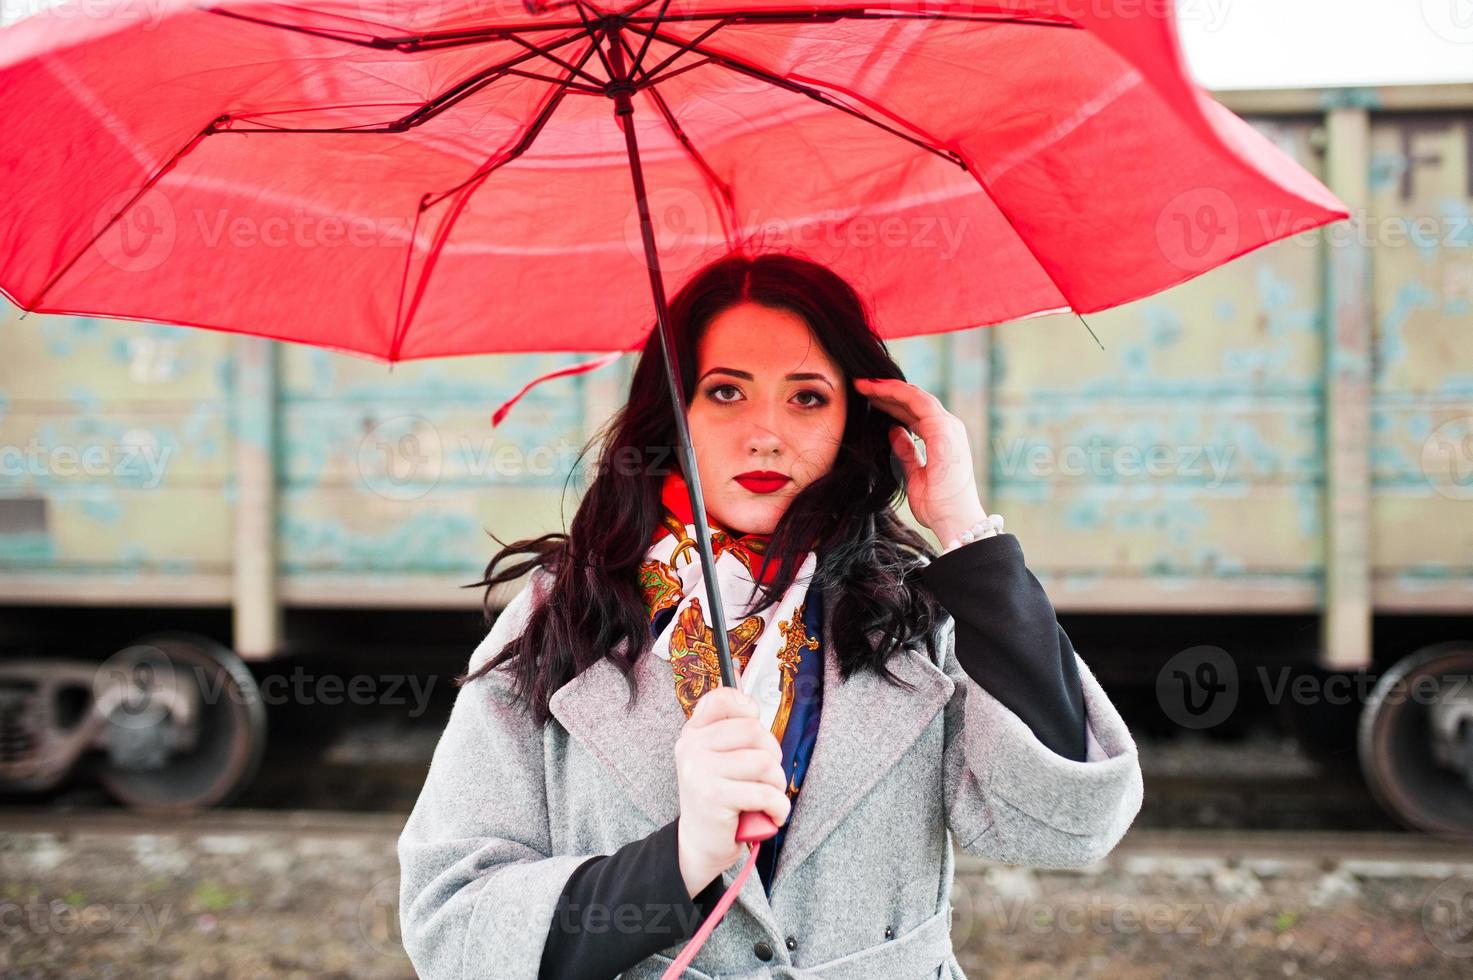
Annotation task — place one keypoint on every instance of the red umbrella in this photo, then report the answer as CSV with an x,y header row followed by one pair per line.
x,y
412,180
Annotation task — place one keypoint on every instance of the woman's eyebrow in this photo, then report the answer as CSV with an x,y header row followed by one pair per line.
x,y
800,376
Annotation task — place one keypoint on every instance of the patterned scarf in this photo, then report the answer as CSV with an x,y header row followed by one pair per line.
x,y
769,649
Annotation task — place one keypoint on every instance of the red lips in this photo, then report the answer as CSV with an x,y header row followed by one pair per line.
x,y
762,481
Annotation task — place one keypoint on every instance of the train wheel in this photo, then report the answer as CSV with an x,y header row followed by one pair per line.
x,y
1416,740
189,728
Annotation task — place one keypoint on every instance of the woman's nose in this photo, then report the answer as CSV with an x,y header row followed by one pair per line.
x,y
762,440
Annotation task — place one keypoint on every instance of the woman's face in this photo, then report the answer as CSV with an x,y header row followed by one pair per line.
x,y
767,399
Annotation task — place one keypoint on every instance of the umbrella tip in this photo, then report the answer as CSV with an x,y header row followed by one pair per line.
x,y
1090,329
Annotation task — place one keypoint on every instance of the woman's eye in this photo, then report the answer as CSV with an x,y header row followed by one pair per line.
x,y
817,400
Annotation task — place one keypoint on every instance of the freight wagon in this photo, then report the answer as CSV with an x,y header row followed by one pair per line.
x,y
1268,468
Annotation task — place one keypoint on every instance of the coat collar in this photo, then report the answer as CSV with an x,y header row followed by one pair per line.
x,y
866,725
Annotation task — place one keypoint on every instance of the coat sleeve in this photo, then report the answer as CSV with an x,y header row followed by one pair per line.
x,y
478,884
1003,623
1009,797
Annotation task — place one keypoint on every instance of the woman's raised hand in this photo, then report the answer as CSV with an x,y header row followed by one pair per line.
x,y
726,762
942,491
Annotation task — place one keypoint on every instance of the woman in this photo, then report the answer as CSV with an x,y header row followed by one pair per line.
x,y
579,814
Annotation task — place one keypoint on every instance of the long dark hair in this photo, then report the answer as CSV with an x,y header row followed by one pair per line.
x,y
864,550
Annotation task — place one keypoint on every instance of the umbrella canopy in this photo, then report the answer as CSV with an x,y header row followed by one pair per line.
x,y
408,180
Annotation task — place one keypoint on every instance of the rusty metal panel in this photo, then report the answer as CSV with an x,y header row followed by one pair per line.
x,y
1420,225
115,441
399,473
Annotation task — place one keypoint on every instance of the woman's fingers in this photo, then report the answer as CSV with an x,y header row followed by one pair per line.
x,y
905,451
719,703
739,733
755,765
745,797
907,402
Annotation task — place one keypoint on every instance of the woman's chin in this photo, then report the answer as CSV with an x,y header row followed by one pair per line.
x,y
756,516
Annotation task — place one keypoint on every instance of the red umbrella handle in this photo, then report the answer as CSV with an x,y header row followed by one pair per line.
x,y
754,826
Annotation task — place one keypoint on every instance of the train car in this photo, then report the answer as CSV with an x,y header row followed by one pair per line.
x,y
1257,481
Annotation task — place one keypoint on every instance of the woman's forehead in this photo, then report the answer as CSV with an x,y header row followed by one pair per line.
x,y
759,340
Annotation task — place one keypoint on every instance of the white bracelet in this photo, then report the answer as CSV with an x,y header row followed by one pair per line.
x,y
984,529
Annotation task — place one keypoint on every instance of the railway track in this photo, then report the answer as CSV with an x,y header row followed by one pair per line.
x,y
1143,849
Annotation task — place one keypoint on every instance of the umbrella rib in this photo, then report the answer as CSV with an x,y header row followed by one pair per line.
x,y
479,177
850,13
685,47
208,130
480,80
546,53
743,67
638,60
445,100
409,43
677,72
593,29
723,188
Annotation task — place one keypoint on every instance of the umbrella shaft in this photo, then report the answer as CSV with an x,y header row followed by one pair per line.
x,y
623,114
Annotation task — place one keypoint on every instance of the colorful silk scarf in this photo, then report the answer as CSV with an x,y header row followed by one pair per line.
x,y
776,653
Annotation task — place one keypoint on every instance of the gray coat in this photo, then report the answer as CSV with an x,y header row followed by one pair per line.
x,y
508,811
